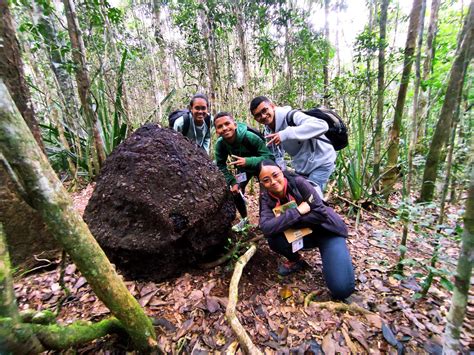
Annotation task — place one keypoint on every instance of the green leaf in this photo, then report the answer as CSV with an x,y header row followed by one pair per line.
x,y
446,284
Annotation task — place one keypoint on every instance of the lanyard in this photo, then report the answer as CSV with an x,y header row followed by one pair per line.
x,y
203,132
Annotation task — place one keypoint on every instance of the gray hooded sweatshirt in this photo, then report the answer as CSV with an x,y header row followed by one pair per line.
x,y
299,141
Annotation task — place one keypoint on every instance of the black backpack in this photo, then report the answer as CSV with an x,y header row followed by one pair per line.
x,y
173,116
337,134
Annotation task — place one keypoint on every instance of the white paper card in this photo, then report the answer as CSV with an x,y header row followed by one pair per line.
x,y
297,245
241,177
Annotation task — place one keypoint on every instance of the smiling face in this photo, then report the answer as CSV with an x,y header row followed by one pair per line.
x,y
199,111
264,113
272,179
225,128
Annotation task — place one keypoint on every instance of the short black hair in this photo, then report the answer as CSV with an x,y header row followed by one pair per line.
x,y
266,162
199,96
223,114
257,101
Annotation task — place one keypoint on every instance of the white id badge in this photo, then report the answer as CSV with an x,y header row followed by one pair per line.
x,y
241,177
297,245
281,163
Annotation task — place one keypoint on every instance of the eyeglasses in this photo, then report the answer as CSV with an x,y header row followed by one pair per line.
x,y
262,112
200,108
269,179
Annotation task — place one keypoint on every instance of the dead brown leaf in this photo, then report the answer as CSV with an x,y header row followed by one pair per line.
x,y
143,301
328,345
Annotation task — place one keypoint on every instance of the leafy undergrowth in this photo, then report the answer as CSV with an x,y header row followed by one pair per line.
x,y
189,310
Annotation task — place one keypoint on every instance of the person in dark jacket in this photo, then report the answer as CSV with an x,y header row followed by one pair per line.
x,y
246,150
329,231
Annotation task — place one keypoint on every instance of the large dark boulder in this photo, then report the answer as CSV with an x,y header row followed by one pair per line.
x,y
160,205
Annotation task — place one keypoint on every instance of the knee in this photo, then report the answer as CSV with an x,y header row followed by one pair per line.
x,y
342,291
342,285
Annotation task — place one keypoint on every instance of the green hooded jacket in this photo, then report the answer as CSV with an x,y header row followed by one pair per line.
x,y
247,144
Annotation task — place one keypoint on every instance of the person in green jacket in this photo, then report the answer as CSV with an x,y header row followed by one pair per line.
x,y
245,150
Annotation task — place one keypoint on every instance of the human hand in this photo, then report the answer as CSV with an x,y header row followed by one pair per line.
x,y
234,189
239,161
303,208
274,138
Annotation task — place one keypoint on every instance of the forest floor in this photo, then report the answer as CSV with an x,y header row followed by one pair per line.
x,y
190,309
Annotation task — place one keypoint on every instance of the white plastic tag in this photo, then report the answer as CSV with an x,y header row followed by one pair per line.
x,y
297,245
241,177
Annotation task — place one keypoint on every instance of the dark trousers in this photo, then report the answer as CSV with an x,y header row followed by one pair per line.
x,y
239,201
338,271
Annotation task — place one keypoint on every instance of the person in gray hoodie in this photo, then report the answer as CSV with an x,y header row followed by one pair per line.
x,y
312,158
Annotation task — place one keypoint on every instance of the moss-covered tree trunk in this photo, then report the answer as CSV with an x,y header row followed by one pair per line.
x,y
48,196
422,112
411,136
12,340
391,171
462,283
455,84
83,81
11,69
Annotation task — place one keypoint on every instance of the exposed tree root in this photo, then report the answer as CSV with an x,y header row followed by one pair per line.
x,y
53,336
238,329
309,297
42,317
338,306
227,256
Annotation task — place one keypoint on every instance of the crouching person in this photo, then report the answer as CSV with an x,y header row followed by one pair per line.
x,y
320,226
246,150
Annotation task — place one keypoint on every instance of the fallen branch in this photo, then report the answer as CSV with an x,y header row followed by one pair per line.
x,y
376,215
238,329
338,306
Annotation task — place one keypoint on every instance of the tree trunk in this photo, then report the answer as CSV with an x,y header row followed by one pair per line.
x,y
48,196
414,124
380,92
83,81
165,72
8,306
368,70
207,30
462,282
238,9
454,89
326,54
421,111
11,69
391,171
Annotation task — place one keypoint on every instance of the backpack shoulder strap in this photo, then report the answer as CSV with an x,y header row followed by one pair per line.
x,y
207,120
186,123
289,117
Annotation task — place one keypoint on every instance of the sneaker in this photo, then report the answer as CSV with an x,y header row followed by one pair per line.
x,y
289,267
239,227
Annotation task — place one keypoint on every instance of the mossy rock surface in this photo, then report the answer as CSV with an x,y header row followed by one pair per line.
x,y
160,205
